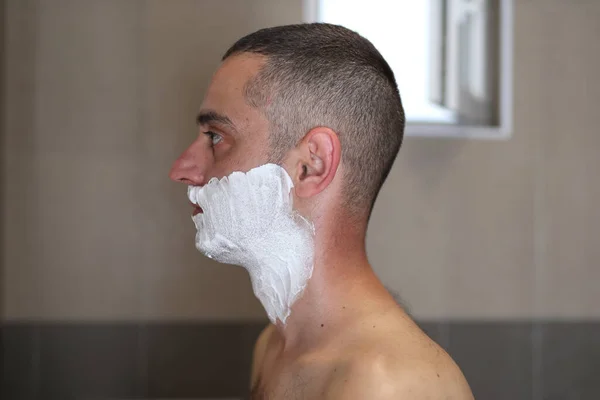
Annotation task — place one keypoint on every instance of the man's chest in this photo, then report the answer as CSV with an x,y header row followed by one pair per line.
x,y
291,382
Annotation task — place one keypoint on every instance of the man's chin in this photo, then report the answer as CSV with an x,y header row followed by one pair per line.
x,y
219,248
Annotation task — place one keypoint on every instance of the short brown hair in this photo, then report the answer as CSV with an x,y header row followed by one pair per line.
x,y
327,75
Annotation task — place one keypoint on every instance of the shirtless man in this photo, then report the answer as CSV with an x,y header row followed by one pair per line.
x,y
311,118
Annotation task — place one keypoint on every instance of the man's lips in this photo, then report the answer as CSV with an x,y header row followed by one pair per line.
x,y
197,209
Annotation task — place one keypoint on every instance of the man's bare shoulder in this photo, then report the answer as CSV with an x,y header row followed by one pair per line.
x,y
382,375
398,362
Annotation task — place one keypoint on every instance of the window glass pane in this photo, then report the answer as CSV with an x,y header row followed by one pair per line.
x,y
401,31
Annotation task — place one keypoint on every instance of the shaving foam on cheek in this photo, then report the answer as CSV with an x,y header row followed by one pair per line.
x,y
248,220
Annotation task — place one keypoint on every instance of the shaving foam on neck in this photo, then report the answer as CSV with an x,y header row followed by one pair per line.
x,y
248,220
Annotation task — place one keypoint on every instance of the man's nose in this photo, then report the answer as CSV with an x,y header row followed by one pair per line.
x,y
189,168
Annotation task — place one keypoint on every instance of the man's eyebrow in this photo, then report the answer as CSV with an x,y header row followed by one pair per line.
x,y
206,117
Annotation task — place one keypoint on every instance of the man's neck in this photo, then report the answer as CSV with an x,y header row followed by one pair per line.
x,y
342,288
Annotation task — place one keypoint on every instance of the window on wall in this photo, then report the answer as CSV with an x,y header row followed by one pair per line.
x,y
451,58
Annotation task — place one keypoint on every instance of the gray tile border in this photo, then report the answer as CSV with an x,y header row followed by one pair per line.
x,y
571,361
96,360
496,358
211,360
197,360
18,378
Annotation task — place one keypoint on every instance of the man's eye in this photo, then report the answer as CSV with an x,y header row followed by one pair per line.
x,y
214,138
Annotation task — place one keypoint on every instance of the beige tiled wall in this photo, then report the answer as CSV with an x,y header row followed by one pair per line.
x,y
100,98
567,168
2,186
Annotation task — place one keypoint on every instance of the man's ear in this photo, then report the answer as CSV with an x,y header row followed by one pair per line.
x,y
318,159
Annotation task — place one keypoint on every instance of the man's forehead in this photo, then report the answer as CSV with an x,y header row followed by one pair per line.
x,y
225,93
233,74
244,66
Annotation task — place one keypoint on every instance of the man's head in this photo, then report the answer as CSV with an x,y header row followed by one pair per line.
x,y
302,96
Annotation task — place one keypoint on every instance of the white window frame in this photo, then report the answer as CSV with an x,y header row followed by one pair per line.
x,y
504,129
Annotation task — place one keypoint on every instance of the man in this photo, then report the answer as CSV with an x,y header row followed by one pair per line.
x,y
299,129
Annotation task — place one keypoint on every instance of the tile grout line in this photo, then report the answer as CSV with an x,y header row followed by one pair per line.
x,y
142,377
539,240
36,355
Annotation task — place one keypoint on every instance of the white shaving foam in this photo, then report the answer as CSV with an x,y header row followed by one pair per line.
x,y
248,220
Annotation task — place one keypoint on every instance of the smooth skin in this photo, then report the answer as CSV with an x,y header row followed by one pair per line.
x,y
346,337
